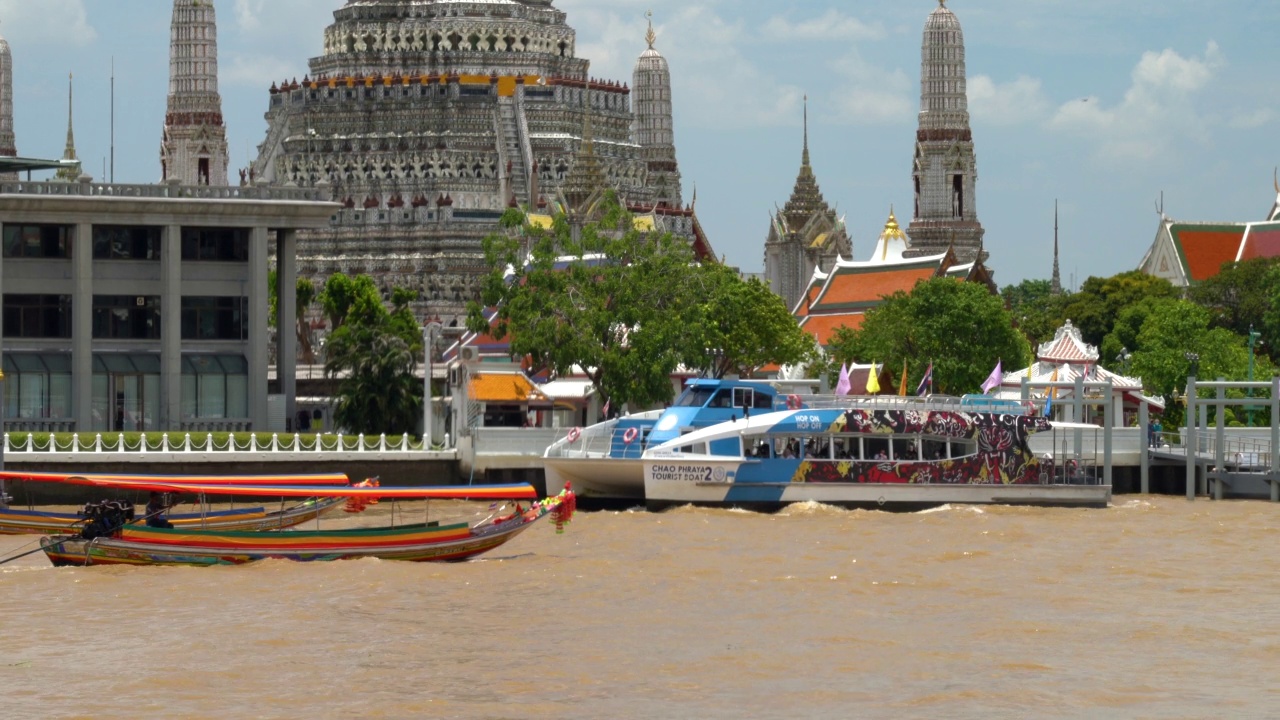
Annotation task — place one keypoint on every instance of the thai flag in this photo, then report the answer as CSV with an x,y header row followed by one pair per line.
x,y
925,381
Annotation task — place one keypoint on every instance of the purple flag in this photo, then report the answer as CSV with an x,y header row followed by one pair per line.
x,y
993,381
843,386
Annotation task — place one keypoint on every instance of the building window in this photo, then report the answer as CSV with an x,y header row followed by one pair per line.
x,y
37,316
215,318
37,385
215,386
118,242
37,241
215,244
126,392
126,317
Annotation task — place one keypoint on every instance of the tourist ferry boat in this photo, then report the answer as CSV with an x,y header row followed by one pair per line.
x,y
603,462
891,453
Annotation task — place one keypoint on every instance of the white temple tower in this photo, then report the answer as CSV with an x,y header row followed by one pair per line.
x,y
194,147
8,146
945,171
653,128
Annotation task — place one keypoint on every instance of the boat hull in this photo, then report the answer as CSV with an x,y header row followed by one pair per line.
x,y
772,496
20,522
417,543
597,478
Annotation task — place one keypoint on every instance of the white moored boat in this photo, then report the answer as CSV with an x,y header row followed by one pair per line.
x,y
895,453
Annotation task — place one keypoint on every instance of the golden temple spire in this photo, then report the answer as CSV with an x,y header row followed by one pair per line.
x,y
650,37
804,161
67,172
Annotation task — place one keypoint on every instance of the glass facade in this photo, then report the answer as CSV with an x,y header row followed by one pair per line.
x,y
215,318
122,242
37,316
38,241
215,244
215,387
126,392
126,317
37,386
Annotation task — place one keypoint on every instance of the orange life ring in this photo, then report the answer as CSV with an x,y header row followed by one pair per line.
x,y
793,402
574,434
630,435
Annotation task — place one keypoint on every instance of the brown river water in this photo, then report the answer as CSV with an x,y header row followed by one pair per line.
x,y
1153,608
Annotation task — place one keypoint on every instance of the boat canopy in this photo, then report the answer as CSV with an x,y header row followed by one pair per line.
x,y
514,491
240,480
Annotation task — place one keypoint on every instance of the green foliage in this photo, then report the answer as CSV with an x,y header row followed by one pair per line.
x,y
960,327
373,351
626,306
1240,295
1035,310
1270,325
1095,308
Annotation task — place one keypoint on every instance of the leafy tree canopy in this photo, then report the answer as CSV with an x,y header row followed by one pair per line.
x,y
1035,310
1095,308
1239,296
627,307
960,327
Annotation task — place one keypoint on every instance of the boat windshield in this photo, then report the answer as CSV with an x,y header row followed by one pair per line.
x,y
695,397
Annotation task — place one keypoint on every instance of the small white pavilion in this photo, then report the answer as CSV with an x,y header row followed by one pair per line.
x,y
1066,358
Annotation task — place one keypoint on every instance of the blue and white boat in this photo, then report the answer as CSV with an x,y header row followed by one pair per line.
x,y
603,461
889,452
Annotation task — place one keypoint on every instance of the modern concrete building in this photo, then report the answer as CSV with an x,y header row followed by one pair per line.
x,y
145,307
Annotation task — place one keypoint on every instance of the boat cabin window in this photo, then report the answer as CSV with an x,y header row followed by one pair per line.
x,y
960,448
905,449
846,447
744,397
722,399
876,448
934,449
695,397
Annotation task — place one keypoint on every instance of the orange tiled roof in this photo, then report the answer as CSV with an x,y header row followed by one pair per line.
x,y
824,327
1263,242
505,388
853,286
1205,248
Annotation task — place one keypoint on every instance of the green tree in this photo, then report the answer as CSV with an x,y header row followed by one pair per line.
x,y
1036,311
626,306
746,323
1270,325
959,327
1095,308
1239,296
373,352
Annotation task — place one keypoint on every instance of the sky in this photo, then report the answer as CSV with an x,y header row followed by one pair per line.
x,y
1105,107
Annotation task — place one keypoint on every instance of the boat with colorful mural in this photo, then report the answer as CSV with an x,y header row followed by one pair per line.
x,y
114,542
602,461
14,521
891,453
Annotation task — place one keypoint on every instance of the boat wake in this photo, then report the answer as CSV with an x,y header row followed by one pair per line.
x,y
974,509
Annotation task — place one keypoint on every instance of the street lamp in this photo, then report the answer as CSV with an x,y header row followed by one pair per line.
x,y
1123,358
1194,359
429,332
1253,340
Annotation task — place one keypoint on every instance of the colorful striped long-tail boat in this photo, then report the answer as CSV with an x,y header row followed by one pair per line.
x,y
14,521
134,545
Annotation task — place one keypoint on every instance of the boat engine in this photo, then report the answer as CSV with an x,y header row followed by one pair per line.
x,y
105,518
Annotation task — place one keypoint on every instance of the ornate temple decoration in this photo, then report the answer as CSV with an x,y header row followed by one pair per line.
x,y
193,150
430,118
69,173
653,128
944,170
804,236
8,145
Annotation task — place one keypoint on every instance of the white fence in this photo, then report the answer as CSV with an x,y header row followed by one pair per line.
x,y
293,444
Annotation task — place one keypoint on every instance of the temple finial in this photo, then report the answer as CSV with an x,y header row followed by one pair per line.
x,y
805,159
650,37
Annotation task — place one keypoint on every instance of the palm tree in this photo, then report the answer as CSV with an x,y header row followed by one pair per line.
x,y
379,393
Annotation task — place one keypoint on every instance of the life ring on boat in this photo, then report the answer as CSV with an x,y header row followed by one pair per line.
x,y
793,402
630,435
574,434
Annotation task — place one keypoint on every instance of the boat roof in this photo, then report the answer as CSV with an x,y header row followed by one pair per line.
x,y
754,425
239,480
217,487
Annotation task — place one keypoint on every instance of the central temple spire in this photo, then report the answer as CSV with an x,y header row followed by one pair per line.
x,y
193,149
944,171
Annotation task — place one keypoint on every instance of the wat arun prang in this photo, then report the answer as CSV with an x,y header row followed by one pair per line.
x,y
429,118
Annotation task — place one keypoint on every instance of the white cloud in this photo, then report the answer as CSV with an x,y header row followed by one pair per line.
x,y
869,94
47,21
257,71
1158,110
1012,103
834,25
1251,120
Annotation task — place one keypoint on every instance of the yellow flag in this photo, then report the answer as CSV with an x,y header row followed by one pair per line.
x,y
873,382
902,386
1053,391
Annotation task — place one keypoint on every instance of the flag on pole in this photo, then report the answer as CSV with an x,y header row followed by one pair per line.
x,y
1049,396
993,380
606,408
902,386
926,381
873,382
843,386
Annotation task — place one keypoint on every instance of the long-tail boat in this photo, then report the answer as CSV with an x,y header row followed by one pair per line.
x,y
427,541
14,521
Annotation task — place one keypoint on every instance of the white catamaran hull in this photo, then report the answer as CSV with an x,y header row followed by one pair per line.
x,y
603,478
